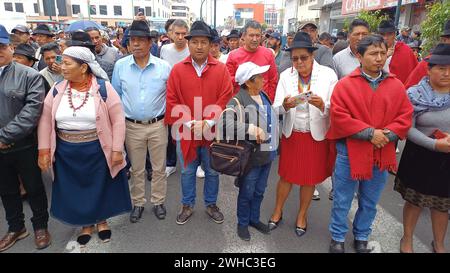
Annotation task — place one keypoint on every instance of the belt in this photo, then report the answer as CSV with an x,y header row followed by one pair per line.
x,y
78,136
145,122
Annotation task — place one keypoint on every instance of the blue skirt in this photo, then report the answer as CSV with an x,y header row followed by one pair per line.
x,y
84,193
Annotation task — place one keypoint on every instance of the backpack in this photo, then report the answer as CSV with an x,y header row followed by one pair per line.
x,y
102,90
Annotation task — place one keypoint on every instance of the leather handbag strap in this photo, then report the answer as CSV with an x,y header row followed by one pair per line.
x,y
241,119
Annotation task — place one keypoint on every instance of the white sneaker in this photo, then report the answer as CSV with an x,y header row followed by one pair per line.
x,y
200,172
170,170
316,195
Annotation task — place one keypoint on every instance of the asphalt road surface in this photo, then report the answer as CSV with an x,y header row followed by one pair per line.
x,y
200,234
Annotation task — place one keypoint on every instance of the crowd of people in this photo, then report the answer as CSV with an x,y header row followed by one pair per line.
x,y
104,116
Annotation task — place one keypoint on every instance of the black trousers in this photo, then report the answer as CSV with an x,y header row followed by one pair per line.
x,y
24,164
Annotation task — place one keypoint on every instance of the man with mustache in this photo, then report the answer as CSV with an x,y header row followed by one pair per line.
x,y
140,79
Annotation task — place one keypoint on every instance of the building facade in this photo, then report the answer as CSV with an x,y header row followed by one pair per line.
x,y
245,12
105,12
180,10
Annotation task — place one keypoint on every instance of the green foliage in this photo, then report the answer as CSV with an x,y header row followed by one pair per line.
x,y
264,26
432,27
346,26
373,18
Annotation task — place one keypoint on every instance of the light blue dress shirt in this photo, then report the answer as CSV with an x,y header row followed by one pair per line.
x,y
142,91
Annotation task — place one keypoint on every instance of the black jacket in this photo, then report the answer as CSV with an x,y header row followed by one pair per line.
x,y
22,92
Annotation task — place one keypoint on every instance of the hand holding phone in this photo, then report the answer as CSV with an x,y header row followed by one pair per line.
x,y
302,97
58,59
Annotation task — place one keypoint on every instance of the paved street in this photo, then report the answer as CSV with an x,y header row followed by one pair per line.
x,y
202,235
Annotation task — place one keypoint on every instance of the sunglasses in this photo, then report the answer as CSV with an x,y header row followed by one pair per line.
x,y
302,58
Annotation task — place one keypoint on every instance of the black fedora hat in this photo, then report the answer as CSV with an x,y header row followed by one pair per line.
x,y
43,29
446,29
440,55
27,51
302,40
215,36
234,33
81,38
140,29
386,26
199,28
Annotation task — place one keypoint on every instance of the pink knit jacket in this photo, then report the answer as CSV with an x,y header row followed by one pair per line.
x,y
110,123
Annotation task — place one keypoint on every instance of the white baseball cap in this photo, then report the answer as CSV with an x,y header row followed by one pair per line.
x,y
246,70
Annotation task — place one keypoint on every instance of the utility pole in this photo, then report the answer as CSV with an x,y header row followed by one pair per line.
x,y
201,10
215,12
89,9
397,13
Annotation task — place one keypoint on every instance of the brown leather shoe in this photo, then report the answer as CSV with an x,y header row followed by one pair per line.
x,y
11,238
42,238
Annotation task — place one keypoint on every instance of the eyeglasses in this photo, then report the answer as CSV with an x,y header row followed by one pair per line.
x,y
302,58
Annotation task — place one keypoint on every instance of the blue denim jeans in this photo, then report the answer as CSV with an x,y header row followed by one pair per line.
x,y
251,194
344,190
189,178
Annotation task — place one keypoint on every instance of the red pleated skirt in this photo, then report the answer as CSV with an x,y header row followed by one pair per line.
x,y
303,160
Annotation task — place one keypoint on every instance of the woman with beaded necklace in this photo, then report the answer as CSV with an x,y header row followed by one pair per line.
x,y
81,135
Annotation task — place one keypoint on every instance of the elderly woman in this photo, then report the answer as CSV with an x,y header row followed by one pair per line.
x,y
81,134
423,177
259,127
303,97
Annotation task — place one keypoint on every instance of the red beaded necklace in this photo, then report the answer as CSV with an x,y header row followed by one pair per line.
x,y
86,97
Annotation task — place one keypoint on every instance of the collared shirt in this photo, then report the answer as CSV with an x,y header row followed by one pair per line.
x,y
1,69
199,69
345,62
374,82
142,91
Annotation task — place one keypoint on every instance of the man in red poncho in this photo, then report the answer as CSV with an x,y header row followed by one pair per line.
x,y
401,60
421,69
369,112
198,89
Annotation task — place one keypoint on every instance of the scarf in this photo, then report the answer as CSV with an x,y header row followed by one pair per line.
x,y
85,55
424,99
355,107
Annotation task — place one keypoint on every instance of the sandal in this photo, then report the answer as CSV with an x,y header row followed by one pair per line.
x,y
104,232
85,235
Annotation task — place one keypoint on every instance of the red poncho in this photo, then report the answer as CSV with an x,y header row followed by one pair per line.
x,y
418,73
403,62
355,107
190,97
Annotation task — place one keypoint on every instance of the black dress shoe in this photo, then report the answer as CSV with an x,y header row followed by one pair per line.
x,y
261,227
136,214
274,224
243,233
361,246
336,247
300,231
160,211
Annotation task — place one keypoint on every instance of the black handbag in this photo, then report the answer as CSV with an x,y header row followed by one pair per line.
x,y
231,157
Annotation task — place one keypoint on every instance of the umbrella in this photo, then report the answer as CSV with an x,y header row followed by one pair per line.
x,y
83,25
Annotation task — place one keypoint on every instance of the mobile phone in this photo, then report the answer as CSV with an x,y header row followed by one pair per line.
x,y
302,97
58,59
438,134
